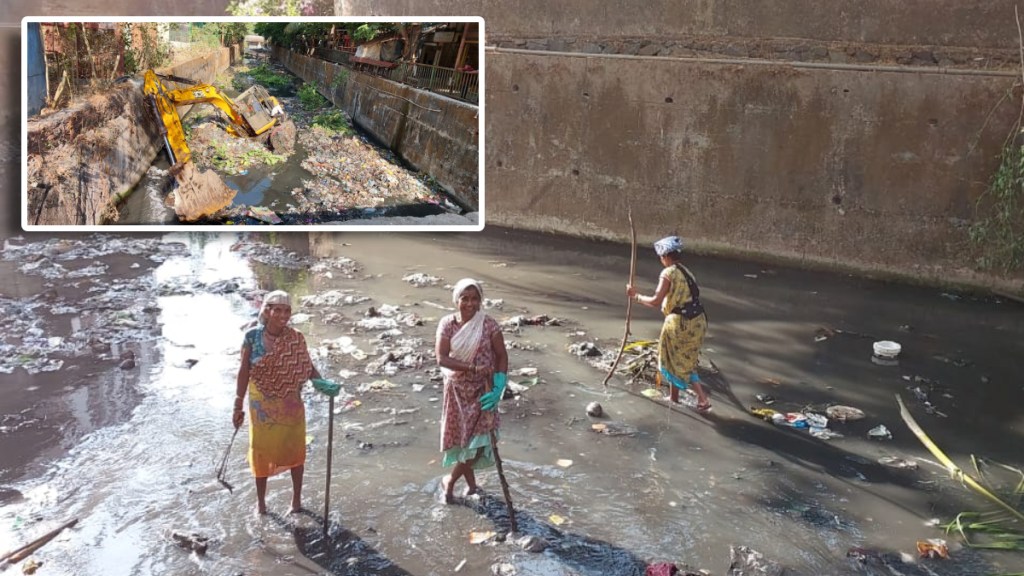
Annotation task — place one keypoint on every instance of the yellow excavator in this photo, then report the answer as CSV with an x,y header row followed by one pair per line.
x,y
252,113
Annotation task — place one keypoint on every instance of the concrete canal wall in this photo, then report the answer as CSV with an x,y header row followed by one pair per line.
x,y
81,158
856,137
436,135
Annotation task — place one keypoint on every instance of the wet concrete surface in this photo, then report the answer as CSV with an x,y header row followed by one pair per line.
x,y
132,452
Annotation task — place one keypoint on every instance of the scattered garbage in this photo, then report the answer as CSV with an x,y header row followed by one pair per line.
x,y
481,537
614,429
539,320
557,520
887,348
264,214
420,280
844,413
765,399
584,349
880,432
594,410
532,543
897,462
823,433
564,462
194,542
933,548
792,419
748,562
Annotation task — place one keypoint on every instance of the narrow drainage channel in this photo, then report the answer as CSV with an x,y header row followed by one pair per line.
x,y
349,174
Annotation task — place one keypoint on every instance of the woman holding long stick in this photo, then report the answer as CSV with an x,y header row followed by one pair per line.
x,y
275,363
471,352
682,333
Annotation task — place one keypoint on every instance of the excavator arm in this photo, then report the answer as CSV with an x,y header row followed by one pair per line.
x,y
251,114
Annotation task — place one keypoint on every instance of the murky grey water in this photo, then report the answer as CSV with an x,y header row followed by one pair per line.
x,y
681,488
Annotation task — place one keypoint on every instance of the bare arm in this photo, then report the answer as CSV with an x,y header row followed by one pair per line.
x,y
651,301
500,353
443,350
241,383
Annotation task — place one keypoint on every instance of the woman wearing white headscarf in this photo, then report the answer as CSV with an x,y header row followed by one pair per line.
x,y
471,352
275,364
682,333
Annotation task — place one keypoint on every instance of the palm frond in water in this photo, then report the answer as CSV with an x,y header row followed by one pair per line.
x,y
1001,528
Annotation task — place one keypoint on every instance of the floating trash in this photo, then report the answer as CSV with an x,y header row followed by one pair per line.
x,y
880,432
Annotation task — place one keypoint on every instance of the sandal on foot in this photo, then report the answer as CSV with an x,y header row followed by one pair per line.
x,y
704,407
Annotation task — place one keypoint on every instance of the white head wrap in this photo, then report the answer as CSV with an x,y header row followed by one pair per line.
x,y
275,297
465,342
461,286
667,245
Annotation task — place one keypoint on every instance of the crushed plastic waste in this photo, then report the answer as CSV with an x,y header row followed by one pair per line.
x,y
897,462
880,432
841,413
584,349
539,320
933,548
420,279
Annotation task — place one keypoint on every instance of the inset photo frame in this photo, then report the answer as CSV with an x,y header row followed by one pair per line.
x,y
221,123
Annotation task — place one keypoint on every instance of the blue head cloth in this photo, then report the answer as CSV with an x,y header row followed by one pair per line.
x,y
667,245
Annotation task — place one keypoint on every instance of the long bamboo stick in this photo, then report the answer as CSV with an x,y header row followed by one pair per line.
x,y
629,301
25,551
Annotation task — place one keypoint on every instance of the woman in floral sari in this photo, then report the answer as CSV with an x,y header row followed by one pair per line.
x,y
275,364
471,352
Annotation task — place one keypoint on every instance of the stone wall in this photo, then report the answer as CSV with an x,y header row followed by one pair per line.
x,y
857,136
82,158
436,135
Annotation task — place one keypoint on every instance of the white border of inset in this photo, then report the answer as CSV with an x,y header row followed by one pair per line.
x,y
251,228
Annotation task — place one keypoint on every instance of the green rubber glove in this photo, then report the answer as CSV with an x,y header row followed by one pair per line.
x,y
326,386
489,401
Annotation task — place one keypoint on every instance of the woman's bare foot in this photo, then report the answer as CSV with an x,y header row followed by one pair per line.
x,y
446,490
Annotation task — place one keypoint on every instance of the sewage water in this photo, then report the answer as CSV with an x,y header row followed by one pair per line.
x,y
680,487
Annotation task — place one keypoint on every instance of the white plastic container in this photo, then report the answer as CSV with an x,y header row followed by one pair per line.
x,y
887,349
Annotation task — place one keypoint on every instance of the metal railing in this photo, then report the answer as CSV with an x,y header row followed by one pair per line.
x,y
439,79
449,82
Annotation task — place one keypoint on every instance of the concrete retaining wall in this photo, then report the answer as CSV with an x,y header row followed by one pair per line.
x,y
436,135
80,159
877,170
857,136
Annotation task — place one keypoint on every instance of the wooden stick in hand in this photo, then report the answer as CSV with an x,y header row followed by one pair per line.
x,y
629,301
